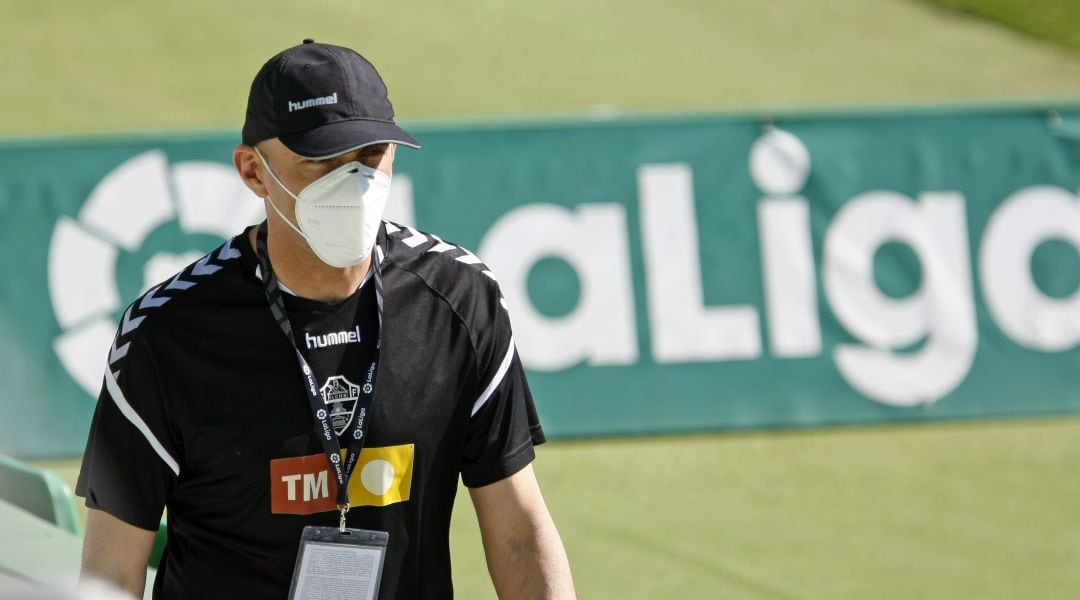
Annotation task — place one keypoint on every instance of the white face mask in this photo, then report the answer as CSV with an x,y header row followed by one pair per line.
x,y
339,213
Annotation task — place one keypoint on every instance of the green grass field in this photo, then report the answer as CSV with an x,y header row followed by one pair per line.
x,y
109,65
977,510
1052,20
981,510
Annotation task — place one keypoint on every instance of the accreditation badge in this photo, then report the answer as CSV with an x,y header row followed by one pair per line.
x,y
338,564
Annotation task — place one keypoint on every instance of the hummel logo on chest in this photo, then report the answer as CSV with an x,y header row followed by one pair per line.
x,y
321,101
333,338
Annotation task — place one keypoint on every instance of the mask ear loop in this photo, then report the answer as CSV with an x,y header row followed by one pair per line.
x,y
266,166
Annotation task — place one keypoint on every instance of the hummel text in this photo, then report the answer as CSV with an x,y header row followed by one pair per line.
x,y
333,338
302,104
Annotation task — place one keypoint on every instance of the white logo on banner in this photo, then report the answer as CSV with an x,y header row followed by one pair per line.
x,y
121,212
907,351
130,203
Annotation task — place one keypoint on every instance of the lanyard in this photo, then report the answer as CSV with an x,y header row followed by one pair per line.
x,y
362,413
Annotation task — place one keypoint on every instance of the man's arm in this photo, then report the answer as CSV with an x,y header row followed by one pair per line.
x,y
116,552
525,555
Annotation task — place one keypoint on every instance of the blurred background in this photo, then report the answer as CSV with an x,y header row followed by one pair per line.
x,y
796,281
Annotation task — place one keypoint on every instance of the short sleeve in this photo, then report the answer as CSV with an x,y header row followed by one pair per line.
x,y
503,426
130,466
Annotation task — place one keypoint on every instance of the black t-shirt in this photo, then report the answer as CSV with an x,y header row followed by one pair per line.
x,y
338,341
203,411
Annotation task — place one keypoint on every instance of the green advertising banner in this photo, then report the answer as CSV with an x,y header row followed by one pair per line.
x,y
662,275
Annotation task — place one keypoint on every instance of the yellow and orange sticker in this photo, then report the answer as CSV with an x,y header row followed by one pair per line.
x,y
304,485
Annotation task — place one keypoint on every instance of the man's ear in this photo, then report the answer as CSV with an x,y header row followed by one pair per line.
x,y
250,168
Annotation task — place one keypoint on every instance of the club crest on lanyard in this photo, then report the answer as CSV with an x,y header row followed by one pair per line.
x,y
340,396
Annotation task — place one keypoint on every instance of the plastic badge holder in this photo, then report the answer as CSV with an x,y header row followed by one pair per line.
x,y
332,564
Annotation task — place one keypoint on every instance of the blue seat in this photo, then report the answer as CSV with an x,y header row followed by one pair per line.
x,y
39,493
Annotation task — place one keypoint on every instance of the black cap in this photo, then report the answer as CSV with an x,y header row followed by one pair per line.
x,y
321,101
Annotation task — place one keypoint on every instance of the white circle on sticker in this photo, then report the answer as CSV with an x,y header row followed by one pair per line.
x,y
779,163
378,476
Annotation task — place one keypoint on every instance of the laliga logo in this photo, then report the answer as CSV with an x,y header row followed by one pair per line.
x,y
140,205
907,351
320,414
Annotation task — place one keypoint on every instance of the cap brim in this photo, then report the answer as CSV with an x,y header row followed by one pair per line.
x,y
333,139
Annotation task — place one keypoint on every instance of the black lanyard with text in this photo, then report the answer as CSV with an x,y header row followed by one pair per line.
x,y
358,434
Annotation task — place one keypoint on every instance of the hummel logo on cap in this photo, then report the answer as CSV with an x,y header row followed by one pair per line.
x,y
301,105
321,101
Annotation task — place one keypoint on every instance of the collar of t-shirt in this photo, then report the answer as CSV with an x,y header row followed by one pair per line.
x,y
284,288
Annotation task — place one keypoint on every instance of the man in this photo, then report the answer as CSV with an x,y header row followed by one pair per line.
x,y
233,387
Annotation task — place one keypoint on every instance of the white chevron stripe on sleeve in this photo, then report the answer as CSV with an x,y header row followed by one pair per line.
x,y
441,246
468,258
121,402
496,380
415,239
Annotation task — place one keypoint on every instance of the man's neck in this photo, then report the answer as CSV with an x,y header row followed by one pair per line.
x,y
305,274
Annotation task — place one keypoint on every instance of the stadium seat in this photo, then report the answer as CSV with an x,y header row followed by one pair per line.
x,y
159,544
38,492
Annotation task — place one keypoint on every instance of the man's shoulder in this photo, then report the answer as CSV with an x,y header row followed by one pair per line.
x,y
197,289
451,270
